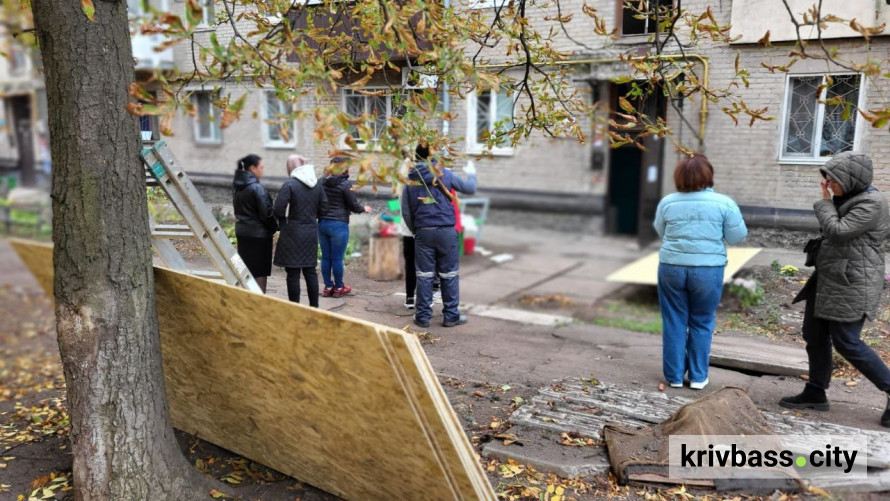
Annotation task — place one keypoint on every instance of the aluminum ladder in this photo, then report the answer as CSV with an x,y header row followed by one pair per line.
x,y
162,170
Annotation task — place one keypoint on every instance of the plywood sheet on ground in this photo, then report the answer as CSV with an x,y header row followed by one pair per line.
x,y
644,271
348,406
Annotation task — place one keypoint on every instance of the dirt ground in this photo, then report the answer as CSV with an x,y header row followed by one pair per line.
x,y
34,450
773,316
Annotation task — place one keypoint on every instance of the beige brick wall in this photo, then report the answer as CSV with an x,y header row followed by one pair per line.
x,y
745,158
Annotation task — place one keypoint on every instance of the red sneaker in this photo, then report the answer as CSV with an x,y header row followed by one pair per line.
x,y
327,292
342,291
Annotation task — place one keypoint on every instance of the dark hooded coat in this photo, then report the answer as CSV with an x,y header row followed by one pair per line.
x,y
300,202
850,263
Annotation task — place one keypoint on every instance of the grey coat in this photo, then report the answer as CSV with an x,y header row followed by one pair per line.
x,y
850,263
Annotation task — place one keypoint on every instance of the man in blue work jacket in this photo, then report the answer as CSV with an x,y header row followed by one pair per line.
x,y
428,213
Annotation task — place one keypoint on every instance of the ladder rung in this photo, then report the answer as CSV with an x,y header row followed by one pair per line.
x,y
172,234
172,227
207,274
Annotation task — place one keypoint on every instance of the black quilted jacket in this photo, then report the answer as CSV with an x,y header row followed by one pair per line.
x,y
341,199
850,263
303,199
253,207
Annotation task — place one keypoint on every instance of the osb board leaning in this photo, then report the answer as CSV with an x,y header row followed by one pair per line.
x,y
351,407
645,270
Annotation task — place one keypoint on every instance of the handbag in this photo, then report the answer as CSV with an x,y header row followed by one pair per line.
x,y
812,250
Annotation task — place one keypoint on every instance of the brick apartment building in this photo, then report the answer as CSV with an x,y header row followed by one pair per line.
x,y
770,168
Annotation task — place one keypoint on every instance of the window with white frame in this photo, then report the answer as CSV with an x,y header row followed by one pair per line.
x,y
489,113
207,130
487,4
19,60
638,17
279,126
380,106
820,117
208,13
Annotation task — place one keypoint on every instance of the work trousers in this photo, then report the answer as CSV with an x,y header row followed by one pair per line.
x,y
436,253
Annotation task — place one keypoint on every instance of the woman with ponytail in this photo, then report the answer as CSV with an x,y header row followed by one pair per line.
x,y
256,224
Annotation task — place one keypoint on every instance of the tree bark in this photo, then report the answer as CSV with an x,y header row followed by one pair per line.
x,y
123,443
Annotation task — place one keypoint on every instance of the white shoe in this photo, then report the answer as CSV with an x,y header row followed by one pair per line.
x,y
699,386
676,385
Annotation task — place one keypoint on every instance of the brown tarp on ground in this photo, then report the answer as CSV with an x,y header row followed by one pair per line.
x,y
644,450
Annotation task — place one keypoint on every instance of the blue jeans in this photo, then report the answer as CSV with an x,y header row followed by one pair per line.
x,y
688,296
436,252
333,237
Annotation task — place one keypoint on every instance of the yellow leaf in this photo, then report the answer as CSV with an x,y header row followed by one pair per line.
x,y
88,8
215,494
625,104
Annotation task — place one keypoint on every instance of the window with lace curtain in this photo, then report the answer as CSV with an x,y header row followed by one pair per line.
x,y
820,118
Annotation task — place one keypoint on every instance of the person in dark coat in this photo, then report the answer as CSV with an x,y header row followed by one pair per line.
x,y
255,224
299,204
333,227
846,287
428,213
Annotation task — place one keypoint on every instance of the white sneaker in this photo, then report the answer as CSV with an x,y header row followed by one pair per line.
x,y
676,385
699,386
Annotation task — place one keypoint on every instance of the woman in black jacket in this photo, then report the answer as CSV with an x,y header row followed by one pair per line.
x,y
300,203
333,228
255,225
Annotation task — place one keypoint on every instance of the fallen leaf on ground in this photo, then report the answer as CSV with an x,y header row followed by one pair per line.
x,y
508,438
573,439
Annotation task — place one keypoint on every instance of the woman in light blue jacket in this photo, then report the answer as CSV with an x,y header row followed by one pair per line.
x,y
695,225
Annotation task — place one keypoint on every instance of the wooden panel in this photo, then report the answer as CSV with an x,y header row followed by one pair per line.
x,y
351,407
645,270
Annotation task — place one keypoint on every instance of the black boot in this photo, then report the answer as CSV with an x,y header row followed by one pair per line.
x,y
885,417
811,398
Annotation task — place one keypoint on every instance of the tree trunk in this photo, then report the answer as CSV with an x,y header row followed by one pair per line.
x,y
123,442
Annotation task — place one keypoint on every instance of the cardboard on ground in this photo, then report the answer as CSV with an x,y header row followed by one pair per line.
x,y
348,406
645,270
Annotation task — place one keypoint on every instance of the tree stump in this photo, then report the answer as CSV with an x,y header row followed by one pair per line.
x,y
384,261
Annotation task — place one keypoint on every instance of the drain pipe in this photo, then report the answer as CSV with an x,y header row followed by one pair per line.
x,y
446,98
706,72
